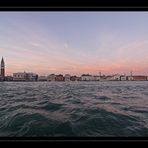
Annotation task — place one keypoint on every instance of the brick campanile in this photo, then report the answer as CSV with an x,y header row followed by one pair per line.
x,y
2,68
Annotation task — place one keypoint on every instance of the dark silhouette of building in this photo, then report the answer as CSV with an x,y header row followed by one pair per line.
x,y
2,74
59,77
74,78
8,78
2,68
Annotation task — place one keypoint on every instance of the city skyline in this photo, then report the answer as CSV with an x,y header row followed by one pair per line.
x,y
74,42
29,77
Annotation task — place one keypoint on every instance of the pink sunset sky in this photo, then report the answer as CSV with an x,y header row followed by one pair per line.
x,y
74,42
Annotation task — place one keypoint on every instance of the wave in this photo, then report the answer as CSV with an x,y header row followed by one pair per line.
x,y
73,109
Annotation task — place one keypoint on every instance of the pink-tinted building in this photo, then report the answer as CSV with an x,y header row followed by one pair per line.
x,y
139,78
74,78
59,78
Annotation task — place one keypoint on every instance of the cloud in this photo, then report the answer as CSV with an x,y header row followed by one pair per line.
x,y
36,50
36,44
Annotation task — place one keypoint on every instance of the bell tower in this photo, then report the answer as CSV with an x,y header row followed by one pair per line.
x,y
2,68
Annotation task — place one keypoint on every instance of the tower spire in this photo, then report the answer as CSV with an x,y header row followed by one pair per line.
x,y
2,67
2,61
131,73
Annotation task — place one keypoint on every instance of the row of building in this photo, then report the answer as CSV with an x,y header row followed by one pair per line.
x,y
88,77
23,76
34,77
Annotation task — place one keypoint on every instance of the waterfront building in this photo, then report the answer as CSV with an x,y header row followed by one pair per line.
x,y
97,78
31,77
75,78
23,76
59,77
78,78
109,78
92,78
102,78
1,78
42,78
87,77
19,76
51,77
130,78
139,78
8,78
123,78
67,77
116,77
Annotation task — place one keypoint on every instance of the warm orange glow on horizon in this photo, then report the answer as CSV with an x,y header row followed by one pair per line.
x,y
88,43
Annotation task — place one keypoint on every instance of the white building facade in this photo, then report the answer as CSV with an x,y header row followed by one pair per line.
x,y
67,77
97,78
51,77
23,76
87,77
116,77
20,76
130,78
123,78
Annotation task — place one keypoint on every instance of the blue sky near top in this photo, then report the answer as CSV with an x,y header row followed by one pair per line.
x,y
74,42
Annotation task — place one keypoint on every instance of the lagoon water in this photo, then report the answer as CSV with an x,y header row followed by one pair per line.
x,y
53,109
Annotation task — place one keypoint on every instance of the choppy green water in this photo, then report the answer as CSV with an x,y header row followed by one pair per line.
x,y
73,109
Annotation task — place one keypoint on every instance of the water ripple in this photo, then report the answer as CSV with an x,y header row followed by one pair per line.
x,y
73,109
